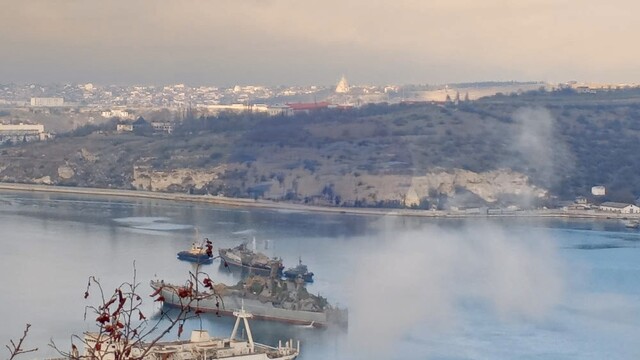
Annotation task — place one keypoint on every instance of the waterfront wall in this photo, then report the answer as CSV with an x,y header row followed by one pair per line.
x,y
240,202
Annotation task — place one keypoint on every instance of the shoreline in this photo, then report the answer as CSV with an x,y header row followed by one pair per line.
x,y
273,205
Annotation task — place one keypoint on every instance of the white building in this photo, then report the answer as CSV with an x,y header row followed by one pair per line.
x,y
276,110
47,101
272,110
231,107
259,108
126,127
162,126
22,132
343,86
621,208
598,190
122,114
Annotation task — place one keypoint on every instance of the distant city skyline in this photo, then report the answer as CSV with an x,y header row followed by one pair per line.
x,y
282,42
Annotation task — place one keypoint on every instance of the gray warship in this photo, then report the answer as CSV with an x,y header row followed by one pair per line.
x,y
241,257
267,298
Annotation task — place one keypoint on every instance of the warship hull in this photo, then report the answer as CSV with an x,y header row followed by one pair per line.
x,y
240,257
264,271
259,309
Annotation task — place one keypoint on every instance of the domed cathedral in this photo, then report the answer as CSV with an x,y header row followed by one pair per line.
x,y
343,86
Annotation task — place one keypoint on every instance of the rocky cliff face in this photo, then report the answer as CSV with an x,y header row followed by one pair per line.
x,y
459,187
488,186
146,178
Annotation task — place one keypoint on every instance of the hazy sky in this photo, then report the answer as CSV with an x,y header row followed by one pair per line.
x,y
226,42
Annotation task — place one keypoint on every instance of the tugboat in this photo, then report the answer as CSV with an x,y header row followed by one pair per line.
x,y
200,346
257,263
300,270
198,253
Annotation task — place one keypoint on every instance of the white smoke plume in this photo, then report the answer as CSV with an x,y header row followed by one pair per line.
x,y
537,141
420,277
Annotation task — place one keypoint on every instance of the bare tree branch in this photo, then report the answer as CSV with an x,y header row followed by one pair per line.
x,y
16,350
123,331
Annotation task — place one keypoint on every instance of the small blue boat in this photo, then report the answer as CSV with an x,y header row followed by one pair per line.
x,y
198,253
299,271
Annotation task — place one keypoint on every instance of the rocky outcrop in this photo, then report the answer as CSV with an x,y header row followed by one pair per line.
x,y
439,187
66,172
86,155
459,187
488,186
175,180
45,180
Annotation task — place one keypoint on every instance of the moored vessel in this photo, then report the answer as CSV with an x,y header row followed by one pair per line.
x,y
257,263
270,299
300,270
199,346
201,254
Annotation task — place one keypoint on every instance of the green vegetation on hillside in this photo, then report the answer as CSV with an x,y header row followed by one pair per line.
x,y
563,142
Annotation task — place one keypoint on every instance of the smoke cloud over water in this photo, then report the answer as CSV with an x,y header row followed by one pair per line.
x,y
422,279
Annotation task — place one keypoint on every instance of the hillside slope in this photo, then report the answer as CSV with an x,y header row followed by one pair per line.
x,y
497,151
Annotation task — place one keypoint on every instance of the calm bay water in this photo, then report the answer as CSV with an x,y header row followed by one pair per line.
x,y
416,288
